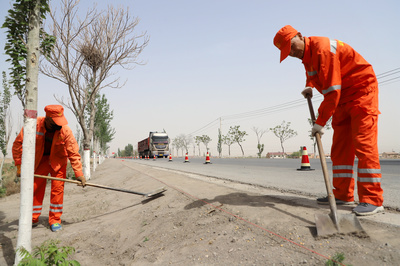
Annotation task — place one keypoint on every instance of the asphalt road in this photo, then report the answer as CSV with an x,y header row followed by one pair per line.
x,y
280,174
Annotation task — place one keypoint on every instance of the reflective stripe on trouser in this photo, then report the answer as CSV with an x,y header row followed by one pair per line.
x,y
56,195
352,118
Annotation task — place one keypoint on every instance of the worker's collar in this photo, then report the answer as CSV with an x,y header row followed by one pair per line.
x,y
307,51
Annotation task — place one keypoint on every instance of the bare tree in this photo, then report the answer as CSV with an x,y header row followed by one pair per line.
x,y
283,132
85,52
186,141
259,134
227,140
178,144
197,141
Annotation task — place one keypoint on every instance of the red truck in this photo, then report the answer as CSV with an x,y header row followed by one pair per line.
x,y
157,144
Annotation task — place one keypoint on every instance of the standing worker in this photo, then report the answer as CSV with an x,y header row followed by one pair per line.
x,y
55,144
350,89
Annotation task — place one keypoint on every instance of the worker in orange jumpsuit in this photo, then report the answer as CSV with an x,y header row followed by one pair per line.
x,y
350,89
55,144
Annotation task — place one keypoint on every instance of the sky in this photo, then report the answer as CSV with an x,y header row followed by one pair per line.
x,y
212,64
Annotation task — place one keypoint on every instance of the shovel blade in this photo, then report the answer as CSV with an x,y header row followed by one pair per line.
x,y
347,224
156,192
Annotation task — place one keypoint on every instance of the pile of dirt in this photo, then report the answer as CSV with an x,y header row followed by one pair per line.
x,y
196,221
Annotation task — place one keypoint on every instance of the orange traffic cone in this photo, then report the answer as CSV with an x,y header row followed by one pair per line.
x,y
207,159
305,162
186,159
170,158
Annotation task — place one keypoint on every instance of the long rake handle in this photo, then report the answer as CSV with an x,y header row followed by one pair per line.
x,y
331,197
91,185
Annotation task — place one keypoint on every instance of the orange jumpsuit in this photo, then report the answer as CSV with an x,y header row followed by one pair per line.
x,y
52,152
350,89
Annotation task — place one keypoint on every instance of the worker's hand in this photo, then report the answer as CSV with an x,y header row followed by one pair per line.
x,y
82,179
307,91
317,128
18,170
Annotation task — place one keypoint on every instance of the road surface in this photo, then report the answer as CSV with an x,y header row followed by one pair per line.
x,y
280,174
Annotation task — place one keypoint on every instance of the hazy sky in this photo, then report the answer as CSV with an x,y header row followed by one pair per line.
x,y
212,64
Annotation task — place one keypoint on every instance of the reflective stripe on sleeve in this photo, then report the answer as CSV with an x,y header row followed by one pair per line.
x,y
331,88
39,133
333,46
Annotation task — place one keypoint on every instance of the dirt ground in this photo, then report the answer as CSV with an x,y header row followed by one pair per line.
x,y
198,220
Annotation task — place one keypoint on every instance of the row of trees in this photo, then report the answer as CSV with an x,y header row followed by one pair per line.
x,y
184,142
234,136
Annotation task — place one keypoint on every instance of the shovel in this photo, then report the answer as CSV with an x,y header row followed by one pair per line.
x,y
333,223
154,193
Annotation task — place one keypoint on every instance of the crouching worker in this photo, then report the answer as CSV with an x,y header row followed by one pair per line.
x,y
55,144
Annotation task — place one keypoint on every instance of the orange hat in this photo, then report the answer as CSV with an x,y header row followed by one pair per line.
x,y
283,39
57,113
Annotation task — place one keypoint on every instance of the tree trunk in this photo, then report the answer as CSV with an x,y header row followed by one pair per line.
x,y
94,154
241,148
94,161
86,163
86,152
1,171
28,146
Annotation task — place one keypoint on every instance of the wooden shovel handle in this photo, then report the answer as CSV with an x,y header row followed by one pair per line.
x,y
331,197
90,184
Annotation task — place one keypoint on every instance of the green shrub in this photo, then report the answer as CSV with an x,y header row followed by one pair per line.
x,y
336,260
48,254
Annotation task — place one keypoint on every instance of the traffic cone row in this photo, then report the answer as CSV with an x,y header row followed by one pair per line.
x,y
147,157
305,162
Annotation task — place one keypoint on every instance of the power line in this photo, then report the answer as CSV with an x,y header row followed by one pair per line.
x,y
384,82
288,105
379,75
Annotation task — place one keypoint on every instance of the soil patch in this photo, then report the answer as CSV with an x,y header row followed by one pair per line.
x,y
198,220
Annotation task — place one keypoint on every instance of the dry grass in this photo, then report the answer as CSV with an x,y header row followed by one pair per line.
x,y
10,183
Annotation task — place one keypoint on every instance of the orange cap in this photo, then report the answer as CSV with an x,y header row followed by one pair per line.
x,y
56,112
283,39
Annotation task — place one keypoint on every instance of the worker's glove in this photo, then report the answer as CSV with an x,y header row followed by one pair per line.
x,y
18,170
307,91
82,179
317,128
